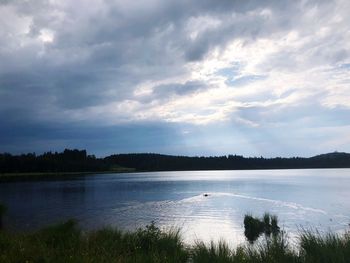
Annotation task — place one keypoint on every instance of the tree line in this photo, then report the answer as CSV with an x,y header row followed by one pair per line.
x,y
79,161
66,161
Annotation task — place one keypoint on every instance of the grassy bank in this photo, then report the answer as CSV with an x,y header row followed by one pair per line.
x,y
67,243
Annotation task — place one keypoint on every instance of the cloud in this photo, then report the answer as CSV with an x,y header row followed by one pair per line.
x,y
247,65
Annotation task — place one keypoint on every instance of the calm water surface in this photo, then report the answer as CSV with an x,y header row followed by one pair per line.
x,y
301,198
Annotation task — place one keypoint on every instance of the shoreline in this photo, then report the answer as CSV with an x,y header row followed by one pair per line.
x,y
8,177
54,175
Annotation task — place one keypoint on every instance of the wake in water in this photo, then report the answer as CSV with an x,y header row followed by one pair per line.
x,y
275,202
194,201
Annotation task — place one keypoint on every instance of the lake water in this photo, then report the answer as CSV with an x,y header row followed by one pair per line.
x,y
301,198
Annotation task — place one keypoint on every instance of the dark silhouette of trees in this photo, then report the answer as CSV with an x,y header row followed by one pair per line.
x,y
67,161
80,161
158,162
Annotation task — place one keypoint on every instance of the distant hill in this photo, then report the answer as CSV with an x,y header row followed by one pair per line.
x,y
80,161
333,155
159,162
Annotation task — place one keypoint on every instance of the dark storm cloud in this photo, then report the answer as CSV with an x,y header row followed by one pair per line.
x,y
62,63
100,55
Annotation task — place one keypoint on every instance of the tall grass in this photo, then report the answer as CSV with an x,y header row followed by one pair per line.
x,y
3,210
254,227
312,248
67,243
327,248
274,249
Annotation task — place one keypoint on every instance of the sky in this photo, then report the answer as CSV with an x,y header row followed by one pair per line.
x,y
200,77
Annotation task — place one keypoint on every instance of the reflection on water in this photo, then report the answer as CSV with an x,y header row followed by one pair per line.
x,y
301,198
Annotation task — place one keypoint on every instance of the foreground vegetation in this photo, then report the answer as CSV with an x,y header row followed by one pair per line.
x,y
67,243
255,227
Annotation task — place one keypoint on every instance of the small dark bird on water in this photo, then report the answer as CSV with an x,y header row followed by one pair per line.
x,y
205,195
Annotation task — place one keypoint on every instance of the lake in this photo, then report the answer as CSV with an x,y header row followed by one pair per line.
x,y
313,198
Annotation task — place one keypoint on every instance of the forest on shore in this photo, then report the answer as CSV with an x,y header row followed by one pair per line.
x,y
80,161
